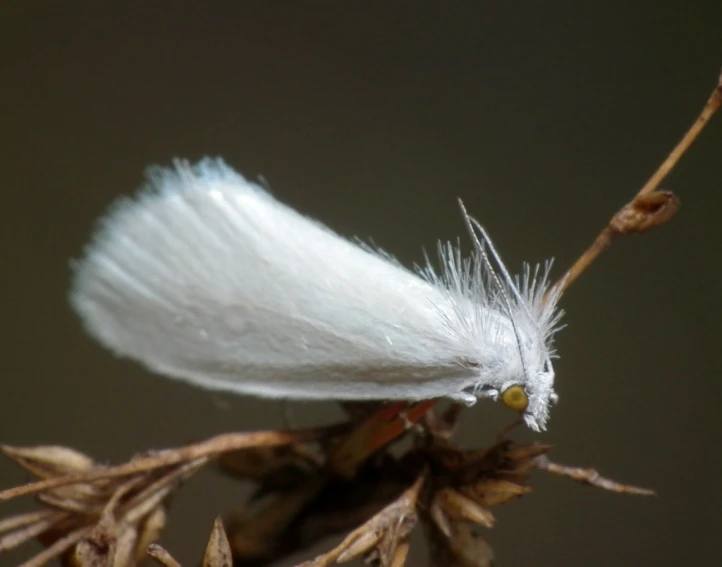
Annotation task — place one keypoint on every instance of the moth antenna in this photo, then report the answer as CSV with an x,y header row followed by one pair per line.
x,y
470,223
507,277
497,258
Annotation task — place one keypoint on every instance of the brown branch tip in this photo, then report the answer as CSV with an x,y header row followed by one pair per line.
x,y
650,207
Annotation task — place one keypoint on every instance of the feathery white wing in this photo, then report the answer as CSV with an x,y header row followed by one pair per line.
x,y
207,278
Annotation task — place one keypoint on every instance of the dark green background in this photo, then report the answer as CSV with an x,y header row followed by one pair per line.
x,y
373,117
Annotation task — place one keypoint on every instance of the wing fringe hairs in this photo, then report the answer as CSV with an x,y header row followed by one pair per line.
x,y
470,287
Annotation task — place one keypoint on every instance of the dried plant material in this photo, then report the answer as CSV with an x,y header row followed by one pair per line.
x,y
160,459
98,549
384,426
162,556
450,504
52,461
380,537
46,461
291,523
103,522
363,544
28,526
464,485
27,519
400,555
115,517
260,463
590,477
58,548
711,106
150,530
256,535
645,212
127,552
218,550
463,546
122,516
650,208
472,481
498,491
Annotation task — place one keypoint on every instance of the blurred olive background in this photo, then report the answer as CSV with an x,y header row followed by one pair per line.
x,y
373,117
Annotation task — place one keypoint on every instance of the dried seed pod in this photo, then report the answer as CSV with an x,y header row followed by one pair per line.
x,y
497,491
47,461
457,506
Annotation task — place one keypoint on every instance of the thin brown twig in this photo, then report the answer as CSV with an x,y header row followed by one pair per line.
x,y
58,547
209,448
142,503
29,518
590,477
713,104
367,536
120,492
20,536
650,207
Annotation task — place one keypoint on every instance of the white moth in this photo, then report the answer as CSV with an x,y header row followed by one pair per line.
x,y
207,278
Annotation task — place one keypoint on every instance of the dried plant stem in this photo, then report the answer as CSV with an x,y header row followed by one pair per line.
x,y
58,547
384,534
30,530
205,449
30,518
713,104
590,477
144,502
649,208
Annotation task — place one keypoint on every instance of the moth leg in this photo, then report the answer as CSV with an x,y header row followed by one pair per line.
x,y
463,398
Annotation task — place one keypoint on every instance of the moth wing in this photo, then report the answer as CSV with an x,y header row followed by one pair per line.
x,y
207,278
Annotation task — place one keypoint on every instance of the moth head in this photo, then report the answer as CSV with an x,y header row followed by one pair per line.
x,y
532,397
524,322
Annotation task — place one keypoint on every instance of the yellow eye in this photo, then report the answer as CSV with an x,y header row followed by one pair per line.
x,y
514,397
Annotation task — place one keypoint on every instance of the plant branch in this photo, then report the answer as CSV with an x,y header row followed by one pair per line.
x,y
650,207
